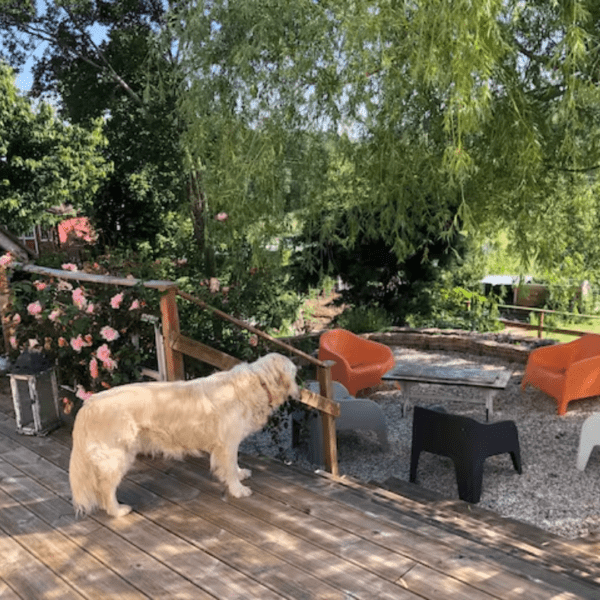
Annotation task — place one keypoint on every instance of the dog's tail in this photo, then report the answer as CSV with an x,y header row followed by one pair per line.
x,y
83,477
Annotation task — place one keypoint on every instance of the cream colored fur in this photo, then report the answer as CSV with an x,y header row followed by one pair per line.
x,y
211,414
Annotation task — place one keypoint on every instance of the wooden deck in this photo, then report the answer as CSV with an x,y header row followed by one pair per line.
x,y
299,536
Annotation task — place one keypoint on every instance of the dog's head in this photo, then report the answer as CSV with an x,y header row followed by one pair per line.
x,y
282,376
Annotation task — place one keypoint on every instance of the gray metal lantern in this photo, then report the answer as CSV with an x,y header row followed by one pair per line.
x,y
35,394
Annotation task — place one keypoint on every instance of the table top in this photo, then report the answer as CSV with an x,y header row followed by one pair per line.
x,y
448,375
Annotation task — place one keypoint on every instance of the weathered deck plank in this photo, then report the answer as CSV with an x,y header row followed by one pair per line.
x,y
6,593
149,575
538,560
27,577
210,573
300,536
233,537
435,550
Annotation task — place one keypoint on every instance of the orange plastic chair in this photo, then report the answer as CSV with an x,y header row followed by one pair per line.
x,y
566,372
359,363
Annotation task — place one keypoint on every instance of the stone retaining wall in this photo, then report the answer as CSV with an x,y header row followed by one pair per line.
x,y
513,350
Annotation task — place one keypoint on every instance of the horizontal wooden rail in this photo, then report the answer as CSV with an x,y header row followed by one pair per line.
x,y
92,278
224,362
241,324
547,311
202,352
325,405
528,326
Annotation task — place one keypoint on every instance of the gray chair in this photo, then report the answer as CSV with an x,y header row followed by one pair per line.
x,y
355,413
588,439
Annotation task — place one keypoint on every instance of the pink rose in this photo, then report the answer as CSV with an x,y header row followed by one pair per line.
x,y
67,406
134,305
103,353
77,343
64,285
109,334
13,341
16,318
94,368
35,308
110,364
116,300
62,342
222,216
83,394
5,259
79,299
253,340
90,308
69,267
53,316
40,285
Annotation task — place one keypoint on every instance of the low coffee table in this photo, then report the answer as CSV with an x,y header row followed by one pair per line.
x,y
408,375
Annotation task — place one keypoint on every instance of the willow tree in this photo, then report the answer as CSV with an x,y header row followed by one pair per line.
x,y
393,120
425,118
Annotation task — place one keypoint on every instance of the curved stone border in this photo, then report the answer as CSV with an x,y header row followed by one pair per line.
x,y
514,350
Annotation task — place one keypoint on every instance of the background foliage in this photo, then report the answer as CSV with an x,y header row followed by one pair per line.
x,y
44,162
387,140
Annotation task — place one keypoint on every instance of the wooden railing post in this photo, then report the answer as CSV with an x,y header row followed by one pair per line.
x,y
4,299
170,325
541,324
329,438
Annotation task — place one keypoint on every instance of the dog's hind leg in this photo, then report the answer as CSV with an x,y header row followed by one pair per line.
x,y
223,463
111,474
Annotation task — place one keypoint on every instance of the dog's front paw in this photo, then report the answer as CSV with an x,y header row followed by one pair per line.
x,y
121,511
240,491
244,473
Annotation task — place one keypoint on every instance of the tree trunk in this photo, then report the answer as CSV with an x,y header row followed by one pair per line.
x,y
198,208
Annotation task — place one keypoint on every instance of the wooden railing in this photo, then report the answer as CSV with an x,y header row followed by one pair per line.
x,y
540,327
176,345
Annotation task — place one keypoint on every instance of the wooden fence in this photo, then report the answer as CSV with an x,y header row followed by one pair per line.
x,y
176,345
540,327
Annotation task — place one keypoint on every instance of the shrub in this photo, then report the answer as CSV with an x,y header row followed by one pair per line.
x,y
364,319
98,334
459,308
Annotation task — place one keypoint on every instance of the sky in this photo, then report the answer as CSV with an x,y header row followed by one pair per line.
x,y
24,79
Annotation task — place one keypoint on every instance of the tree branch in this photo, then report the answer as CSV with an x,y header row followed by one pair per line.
x,y
113,74
581,170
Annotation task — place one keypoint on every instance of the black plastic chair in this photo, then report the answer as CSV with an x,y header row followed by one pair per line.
x,y
466,441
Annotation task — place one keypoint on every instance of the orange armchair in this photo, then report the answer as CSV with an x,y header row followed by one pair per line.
x,y
359,363
566,371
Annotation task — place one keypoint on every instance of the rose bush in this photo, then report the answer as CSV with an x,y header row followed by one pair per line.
x,y
99,334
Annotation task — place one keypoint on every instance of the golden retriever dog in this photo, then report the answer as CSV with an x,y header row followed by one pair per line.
x,y
210,414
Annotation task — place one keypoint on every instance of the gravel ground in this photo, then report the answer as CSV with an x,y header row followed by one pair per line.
x,y
551,493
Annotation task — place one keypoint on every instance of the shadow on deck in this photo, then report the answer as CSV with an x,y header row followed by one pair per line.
x,y
300,535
